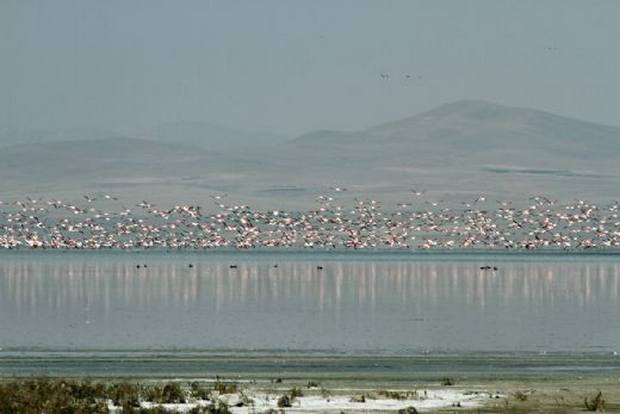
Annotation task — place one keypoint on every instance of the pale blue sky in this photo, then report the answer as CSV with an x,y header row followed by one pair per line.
x,y
295,66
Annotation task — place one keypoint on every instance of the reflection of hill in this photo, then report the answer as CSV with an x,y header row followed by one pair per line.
x,y
363,305
402,284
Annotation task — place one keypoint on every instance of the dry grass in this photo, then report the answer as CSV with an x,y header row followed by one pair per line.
x,y
46,395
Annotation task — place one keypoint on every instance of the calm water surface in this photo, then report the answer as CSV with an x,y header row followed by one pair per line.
x,y
359,304
93,301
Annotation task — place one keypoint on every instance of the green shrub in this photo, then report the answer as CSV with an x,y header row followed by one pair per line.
x,y
172,393
284,401
521,396
394,395
51,396
448,381
124,394
199,391
358,398
296,392
595,404
151,393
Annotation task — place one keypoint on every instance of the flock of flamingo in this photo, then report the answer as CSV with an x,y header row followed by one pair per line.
x,y
102,222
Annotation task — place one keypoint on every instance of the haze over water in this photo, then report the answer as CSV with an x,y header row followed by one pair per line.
x,y
360,303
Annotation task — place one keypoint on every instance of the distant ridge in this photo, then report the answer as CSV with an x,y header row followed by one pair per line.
x,y
210,136
70,160
475,130
480,110
14,137
454,151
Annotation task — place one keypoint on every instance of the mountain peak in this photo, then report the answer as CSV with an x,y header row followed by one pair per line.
x,y
456,113
474,109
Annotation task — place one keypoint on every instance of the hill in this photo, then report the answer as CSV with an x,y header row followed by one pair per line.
x,y
9,137
456,151
210,136
470,147
128,167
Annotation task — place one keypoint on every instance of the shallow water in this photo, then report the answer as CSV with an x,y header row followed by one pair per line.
x,y
358,305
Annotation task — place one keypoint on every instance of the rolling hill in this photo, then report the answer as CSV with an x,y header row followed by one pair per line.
x,y
210,136
455,151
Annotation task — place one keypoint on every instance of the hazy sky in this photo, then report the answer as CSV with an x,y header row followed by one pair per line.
x,y
294,66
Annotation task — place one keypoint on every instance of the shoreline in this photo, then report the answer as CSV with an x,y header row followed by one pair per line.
x,y
344,251
421,367
247,395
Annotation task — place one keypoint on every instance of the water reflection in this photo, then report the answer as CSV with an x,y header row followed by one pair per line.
x,y
362,305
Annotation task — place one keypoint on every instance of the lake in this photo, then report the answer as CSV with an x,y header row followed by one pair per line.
x,y
57,308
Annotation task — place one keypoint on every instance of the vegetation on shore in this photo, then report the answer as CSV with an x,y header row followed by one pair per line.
x,y
46,395
81,396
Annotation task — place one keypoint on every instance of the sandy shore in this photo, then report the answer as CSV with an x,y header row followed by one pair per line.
x,y
241,395
493,396
352,401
